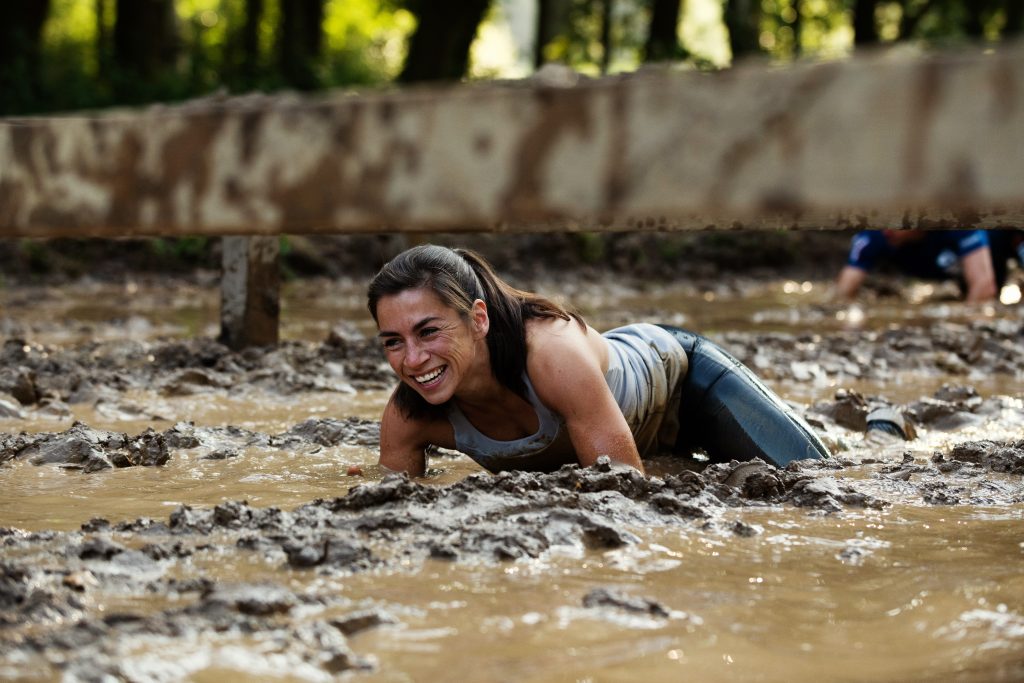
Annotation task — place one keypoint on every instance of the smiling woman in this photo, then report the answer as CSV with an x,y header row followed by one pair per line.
x,y
515,381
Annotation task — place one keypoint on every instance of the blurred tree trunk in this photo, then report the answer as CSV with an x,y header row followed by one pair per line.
x,y
910,20
145,37
547,28
742,18
299,40
1014,18
865,30
974,26
662,36
980,12
250,65
439,48
102,41
798,28
606,35
21,30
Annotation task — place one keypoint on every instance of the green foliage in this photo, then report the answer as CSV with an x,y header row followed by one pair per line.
x,y
591,247
185,250
36,255
364,43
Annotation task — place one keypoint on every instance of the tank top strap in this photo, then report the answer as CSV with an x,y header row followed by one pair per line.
x,y
470,440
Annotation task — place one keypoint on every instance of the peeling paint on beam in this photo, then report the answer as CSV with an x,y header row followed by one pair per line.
x,y
881,140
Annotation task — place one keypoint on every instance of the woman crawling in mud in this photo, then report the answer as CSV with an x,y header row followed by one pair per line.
x,y
516,381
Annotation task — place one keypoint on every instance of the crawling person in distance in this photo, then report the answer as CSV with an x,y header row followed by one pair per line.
x,y
516,381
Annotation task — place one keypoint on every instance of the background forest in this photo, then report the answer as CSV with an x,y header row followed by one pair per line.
x,y
61,55
73,55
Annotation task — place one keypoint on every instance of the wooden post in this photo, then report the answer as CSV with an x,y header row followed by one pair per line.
x,y
250,284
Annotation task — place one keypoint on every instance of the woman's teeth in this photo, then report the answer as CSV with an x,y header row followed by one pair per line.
x,y
433,374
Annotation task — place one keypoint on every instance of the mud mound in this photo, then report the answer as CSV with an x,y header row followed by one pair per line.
x,y
43,376
91,450
944,348
50,579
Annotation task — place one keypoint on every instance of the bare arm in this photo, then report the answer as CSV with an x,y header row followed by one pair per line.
x,y
979,276
567,375
403,441
849,282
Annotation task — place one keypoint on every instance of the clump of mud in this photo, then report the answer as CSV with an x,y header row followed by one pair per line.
x,y
948,349
950,409
49,378
91,450
49,580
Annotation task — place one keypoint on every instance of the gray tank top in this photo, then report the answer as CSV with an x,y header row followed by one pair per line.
x,y
646,366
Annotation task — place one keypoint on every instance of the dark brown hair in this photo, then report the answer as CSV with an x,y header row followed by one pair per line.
x,y
459,277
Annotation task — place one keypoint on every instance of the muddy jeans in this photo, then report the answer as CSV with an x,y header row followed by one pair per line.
x,y
727,412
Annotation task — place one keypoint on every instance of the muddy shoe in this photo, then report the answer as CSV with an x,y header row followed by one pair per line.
x,y
755,479
888,421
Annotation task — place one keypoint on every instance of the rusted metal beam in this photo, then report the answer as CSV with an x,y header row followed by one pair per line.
x,y
880,140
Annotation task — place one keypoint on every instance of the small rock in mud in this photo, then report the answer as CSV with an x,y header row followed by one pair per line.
x,y
99,548
939,414
332,552
10,408
853,555
939,493
253,599
80,580
829,495
192,381
330,432
19,383
607,597
995,457
353,623
328,647
221,454
744,530
848,410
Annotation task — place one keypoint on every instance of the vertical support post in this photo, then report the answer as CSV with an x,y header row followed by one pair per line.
x,y
249,291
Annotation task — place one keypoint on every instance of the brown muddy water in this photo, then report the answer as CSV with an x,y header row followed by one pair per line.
x,y
899,561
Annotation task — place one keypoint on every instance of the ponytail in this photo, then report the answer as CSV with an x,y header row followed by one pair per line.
x,y
508,309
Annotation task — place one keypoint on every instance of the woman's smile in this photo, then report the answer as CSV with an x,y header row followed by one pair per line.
x,y
432,378
430,346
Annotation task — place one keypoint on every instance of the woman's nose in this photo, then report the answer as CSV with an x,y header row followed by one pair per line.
x,y
415,355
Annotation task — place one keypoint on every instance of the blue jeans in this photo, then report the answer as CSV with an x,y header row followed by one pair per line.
x,y
727,412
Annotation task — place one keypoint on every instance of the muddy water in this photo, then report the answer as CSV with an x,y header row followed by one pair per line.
x,y
910,590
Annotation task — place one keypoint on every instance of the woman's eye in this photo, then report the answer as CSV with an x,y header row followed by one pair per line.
x,y
428,331
390,344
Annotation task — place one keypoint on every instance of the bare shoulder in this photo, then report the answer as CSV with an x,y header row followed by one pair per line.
x,y
556,343
565,362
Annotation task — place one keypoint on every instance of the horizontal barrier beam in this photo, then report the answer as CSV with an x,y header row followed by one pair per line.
x,y
883,139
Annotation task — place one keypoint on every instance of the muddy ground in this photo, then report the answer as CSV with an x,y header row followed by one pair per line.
x,y
51,581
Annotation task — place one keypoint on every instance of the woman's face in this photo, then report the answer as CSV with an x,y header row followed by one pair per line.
x,y
428,344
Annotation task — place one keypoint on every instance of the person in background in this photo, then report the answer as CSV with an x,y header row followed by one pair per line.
x,y
961,255
1005,245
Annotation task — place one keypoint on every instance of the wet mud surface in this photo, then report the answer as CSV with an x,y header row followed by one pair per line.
x,y
102,602
49,579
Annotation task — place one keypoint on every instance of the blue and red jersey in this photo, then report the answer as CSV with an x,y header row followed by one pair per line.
x,y
935,256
